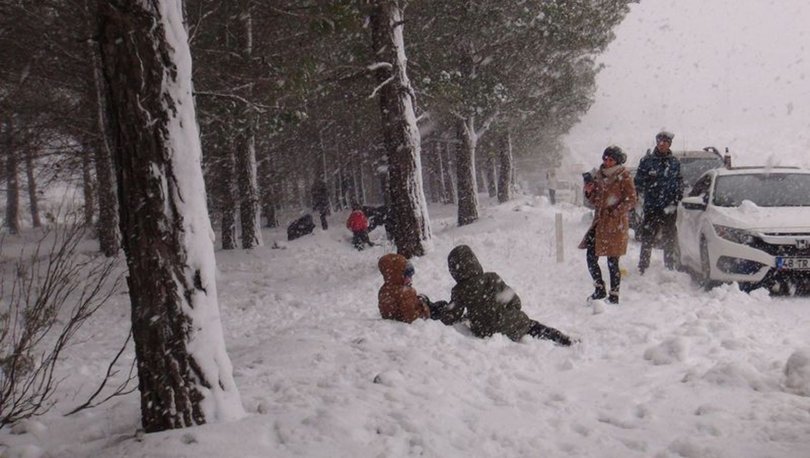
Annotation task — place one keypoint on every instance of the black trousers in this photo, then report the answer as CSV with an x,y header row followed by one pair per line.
x,y
655,221
360,238
541,331
593,263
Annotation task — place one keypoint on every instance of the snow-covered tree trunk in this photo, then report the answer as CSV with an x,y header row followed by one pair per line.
x,y
506,172
184,373
248,192
401,134
246,153
467,187
33,200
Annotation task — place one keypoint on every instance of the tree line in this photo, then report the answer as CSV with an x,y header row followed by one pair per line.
x,y
289,91
387,100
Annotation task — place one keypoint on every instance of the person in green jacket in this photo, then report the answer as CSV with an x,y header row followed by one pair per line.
x,y
492,306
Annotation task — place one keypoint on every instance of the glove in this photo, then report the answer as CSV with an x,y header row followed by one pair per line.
x,y
437,309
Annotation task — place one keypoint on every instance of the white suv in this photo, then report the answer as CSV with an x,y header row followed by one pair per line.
x,y
750,225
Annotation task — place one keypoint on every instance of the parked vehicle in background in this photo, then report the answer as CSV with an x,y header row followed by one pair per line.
x,y
694,163
750,225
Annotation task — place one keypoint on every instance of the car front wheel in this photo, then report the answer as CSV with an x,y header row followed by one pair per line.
x,y
705,266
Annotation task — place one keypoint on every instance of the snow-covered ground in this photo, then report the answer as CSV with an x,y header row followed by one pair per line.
x,y
673,371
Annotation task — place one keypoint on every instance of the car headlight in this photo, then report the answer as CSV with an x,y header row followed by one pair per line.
x,y
733,234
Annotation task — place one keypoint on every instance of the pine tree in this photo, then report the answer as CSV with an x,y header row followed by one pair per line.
x,y
184,374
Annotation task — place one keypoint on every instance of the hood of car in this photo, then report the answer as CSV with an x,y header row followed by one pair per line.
x,y
764,219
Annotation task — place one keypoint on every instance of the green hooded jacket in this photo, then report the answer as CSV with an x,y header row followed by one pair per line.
x,y
492,306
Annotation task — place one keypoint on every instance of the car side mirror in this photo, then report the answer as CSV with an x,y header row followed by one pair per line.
x,y
695,203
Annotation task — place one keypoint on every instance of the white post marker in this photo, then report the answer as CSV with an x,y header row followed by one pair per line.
x,y
558,233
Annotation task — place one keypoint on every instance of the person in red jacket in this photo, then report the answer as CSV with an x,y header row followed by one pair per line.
x,y
358,224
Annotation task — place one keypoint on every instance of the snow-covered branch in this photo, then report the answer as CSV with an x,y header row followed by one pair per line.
x,y
377,89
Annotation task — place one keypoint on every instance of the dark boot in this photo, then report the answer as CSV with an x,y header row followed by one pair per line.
x,y
613,297
599,291
644,258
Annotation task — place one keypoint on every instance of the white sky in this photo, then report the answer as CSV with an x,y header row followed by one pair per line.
x,y
726,73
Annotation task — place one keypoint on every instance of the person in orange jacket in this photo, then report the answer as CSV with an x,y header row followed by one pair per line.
x,y
398,300
358,224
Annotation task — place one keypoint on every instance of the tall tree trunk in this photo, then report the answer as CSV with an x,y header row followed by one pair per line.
x,y
246,153
467,187
506,175
401,135
88,187
227,175
271,194
492,176
433,167
184,373
248,192
359,182
12,183
107,225
32,187
448,183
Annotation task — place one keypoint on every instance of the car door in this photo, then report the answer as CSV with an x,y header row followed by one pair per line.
x,y
689,221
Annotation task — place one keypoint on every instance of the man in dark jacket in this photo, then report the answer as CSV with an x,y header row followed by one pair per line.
x,y
659,180
492,306
320,201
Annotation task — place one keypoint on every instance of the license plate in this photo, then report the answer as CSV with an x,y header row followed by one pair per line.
x,y
793,263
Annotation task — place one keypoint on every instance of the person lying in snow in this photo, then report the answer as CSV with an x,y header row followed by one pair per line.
x,y
492,306
397,299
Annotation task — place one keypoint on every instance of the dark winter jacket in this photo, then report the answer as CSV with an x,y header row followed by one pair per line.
x,y
320,197
659,181
492,306
397,300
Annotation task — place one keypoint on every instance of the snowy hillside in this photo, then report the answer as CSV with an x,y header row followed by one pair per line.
x,y
671,372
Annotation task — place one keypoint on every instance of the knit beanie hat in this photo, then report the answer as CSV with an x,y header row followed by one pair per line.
x,y
666,135
616,153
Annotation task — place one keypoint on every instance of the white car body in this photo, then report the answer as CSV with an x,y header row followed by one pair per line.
x,y
729,240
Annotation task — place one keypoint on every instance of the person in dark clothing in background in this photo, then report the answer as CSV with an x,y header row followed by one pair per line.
x,y
320,201
492,306
659,181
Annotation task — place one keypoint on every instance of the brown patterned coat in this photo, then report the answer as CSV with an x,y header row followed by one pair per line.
x,y
613,196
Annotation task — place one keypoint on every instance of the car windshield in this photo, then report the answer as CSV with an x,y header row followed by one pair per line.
x,y
763,189
693,168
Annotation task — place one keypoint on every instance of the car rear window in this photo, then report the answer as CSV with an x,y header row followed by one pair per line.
x,y
693,168
763,189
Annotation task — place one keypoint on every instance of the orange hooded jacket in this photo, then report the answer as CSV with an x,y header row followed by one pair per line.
x,y
397,300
